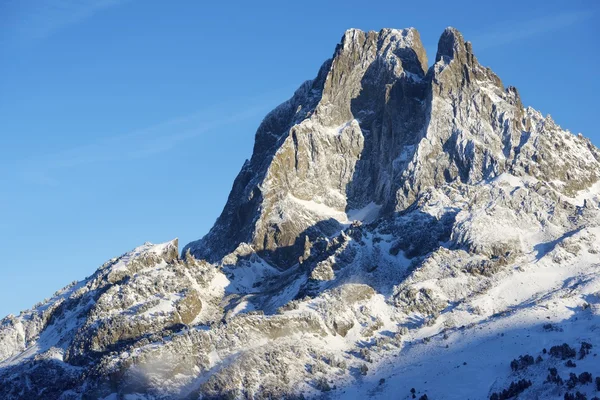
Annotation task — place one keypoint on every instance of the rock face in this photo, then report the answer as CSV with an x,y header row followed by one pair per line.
x,y
376,128
311,150
389,208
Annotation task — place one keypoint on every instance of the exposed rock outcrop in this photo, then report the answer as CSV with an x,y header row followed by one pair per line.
x,y
377,129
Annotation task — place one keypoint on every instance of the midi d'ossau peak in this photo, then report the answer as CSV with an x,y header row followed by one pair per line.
x,y
373,130
397,226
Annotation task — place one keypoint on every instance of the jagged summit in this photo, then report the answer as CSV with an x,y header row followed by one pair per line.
x,y
404,44
371,132
451,43
397,226
306,150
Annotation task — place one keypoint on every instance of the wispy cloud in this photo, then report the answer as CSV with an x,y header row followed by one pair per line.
x,y
26,20
512,31
139,144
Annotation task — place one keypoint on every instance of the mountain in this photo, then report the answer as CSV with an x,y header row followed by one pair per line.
x,y
397,227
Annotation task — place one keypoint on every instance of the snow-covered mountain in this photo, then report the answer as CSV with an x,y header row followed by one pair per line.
x,y
399,232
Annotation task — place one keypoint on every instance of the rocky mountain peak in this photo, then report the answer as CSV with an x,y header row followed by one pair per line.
x,y
373,131
365,62
451,45
456,54
387,209
405,44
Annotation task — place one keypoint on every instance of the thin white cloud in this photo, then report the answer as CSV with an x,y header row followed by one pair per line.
x,y
512,31
44,170
26,20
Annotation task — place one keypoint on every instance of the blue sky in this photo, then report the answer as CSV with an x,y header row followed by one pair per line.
x,y
125,121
